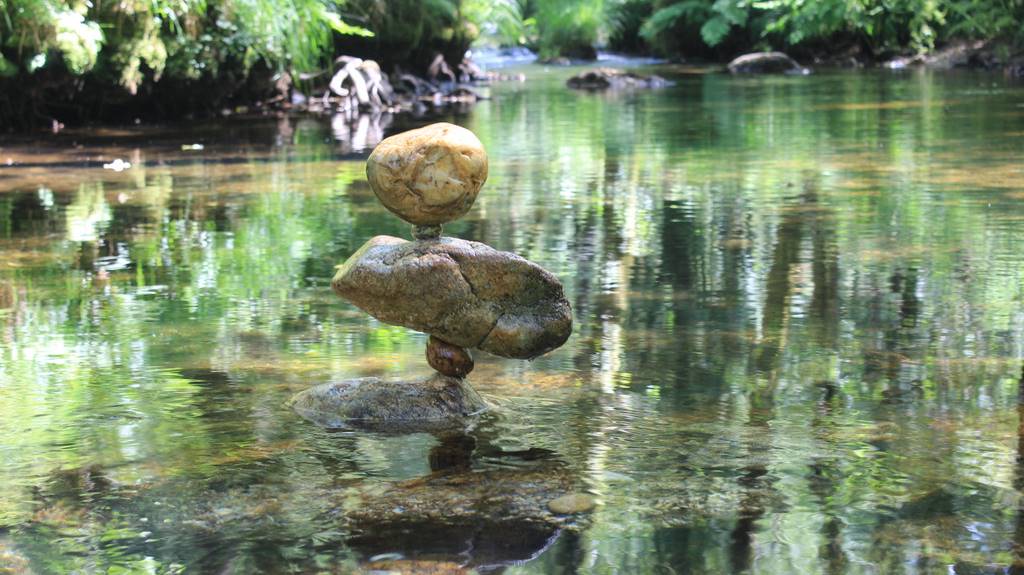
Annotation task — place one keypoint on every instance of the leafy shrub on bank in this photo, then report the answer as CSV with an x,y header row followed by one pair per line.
x,y
50,49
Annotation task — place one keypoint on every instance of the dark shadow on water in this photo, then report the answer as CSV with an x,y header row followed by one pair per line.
x,y
485,545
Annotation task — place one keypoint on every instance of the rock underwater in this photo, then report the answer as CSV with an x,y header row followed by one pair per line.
x,y
464,293
604,78
372,401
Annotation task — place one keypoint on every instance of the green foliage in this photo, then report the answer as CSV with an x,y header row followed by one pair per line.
x,y
126,41
715,20
986,18
407,29
626,18
51,48
504,22
881,25
569,27
551,27
666,18
286,33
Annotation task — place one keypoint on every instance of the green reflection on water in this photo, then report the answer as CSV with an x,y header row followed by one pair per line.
x,y
800,323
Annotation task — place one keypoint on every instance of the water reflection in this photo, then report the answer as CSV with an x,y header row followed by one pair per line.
x,y
798,349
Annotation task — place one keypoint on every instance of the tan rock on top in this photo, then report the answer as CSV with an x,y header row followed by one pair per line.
x,y
430,175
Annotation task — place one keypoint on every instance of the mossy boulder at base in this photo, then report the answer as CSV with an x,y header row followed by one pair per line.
x,y
372,401
465,293
430,175
766,63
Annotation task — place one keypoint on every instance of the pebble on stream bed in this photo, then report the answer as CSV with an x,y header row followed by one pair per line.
x,y
572,503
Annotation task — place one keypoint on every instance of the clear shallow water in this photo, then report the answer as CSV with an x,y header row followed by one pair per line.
x,y
799,329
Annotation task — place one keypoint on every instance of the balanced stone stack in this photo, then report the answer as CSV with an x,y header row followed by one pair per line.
x,y
463,294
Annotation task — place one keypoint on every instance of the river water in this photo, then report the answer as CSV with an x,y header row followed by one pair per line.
x,y
799,333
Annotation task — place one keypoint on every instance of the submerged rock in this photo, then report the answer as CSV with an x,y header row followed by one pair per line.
x,y
480,514
372,401
572,503
604,78
766,63
497,494
430,175
465,293
486,518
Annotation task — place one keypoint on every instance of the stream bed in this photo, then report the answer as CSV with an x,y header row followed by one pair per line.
x,y
799,307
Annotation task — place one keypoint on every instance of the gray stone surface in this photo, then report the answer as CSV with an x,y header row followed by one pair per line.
x,y
605,78
395,405
766,63
488,518
465,293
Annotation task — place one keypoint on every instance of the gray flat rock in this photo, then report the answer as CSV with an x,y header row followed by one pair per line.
x,y
464,293
437,402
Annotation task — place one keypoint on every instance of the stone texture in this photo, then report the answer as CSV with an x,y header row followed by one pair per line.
x,y
501,494
766,63
572,503
430,175
489,518
448,359
465,293
372,401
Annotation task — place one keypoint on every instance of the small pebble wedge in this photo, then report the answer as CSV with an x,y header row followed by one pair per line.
x,y
448,359
397,405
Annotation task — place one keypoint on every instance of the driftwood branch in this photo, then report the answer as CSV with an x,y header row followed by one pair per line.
x,y
363,80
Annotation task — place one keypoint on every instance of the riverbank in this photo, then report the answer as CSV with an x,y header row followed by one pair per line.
x,y
417,95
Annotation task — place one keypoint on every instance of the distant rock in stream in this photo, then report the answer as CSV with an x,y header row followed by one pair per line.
x,y
766,63
606,78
